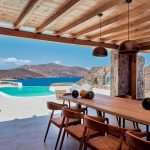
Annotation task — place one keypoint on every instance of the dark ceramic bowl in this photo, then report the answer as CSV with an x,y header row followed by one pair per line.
x,y
146,103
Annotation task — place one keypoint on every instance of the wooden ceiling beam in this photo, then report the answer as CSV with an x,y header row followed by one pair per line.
x,y
59,13
45,37
144,44
122,27
145,48
27,12
133,32
134,12
143,39
132,37
89,15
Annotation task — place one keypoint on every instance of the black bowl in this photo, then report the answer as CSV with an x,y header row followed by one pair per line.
x,y
146,103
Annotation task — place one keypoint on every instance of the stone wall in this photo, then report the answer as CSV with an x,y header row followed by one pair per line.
x,y
96,77
120,75
140,77
114,74
147,81
124,75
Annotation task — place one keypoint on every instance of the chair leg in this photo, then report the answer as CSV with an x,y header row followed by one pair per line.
x,y
59,134
104,114
137,125
134,125
62,140
118,121
63,102
81,145
86,110
85,147
99,113
47,130
124,122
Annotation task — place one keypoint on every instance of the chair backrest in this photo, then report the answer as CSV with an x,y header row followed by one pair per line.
x,y
59,93
99,125
55,106
95,125
69,113
135,142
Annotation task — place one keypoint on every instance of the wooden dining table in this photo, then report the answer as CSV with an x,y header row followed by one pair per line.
x,y
125,108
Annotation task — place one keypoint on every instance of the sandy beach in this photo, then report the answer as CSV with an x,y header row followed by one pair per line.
x,y
27,107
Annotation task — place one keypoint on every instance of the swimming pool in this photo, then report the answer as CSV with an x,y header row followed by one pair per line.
x,y
26,91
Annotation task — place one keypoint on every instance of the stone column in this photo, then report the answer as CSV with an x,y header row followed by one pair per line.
x,y
140,77
121,72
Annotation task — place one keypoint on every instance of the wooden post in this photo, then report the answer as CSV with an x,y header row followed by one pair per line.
x,y
133,77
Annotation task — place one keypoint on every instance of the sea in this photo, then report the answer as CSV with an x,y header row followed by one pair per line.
x,y
47,81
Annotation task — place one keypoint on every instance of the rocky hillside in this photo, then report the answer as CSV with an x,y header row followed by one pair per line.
x,y
41,71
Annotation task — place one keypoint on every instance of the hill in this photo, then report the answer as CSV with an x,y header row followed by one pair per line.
x,y
43,71
56,70
18,73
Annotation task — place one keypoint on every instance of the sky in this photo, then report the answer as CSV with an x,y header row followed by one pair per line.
x,y
15,52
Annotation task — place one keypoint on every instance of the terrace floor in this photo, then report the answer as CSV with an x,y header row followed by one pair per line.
x,y
23,122
28,134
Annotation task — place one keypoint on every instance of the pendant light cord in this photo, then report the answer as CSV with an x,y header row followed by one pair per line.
x,y
128,22
100,15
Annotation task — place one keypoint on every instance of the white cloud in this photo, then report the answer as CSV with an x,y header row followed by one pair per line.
x,y
15,61
57,62
88,68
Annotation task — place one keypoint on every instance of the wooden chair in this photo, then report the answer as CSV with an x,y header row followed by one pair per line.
x,y
113,140
77,131
135,124
135,141
58,121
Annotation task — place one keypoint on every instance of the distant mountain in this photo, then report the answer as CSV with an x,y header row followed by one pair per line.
x,y
43,70
18,73
55,70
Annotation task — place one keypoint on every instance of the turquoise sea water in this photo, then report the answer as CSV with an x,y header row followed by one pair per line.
x,y
36,86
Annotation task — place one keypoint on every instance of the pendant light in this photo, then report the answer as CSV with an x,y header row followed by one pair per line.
x,y
100,51
128,47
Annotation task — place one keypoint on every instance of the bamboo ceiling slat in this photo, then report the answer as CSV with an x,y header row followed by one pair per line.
x,y
27,12
90,14
46,9
142,20
10,10
75,14
133,12
133,36
133,32
57,14
143,39
78,19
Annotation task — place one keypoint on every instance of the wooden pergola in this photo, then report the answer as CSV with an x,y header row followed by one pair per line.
x,y
76,21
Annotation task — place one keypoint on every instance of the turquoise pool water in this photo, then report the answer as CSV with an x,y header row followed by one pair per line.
x,y
26,91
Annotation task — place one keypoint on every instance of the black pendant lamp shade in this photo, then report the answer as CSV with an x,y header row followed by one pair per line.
x,y
128,47
100,51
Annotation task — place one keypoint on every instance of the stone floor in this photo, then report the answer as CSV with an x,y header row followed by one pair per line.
x,y
28,134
